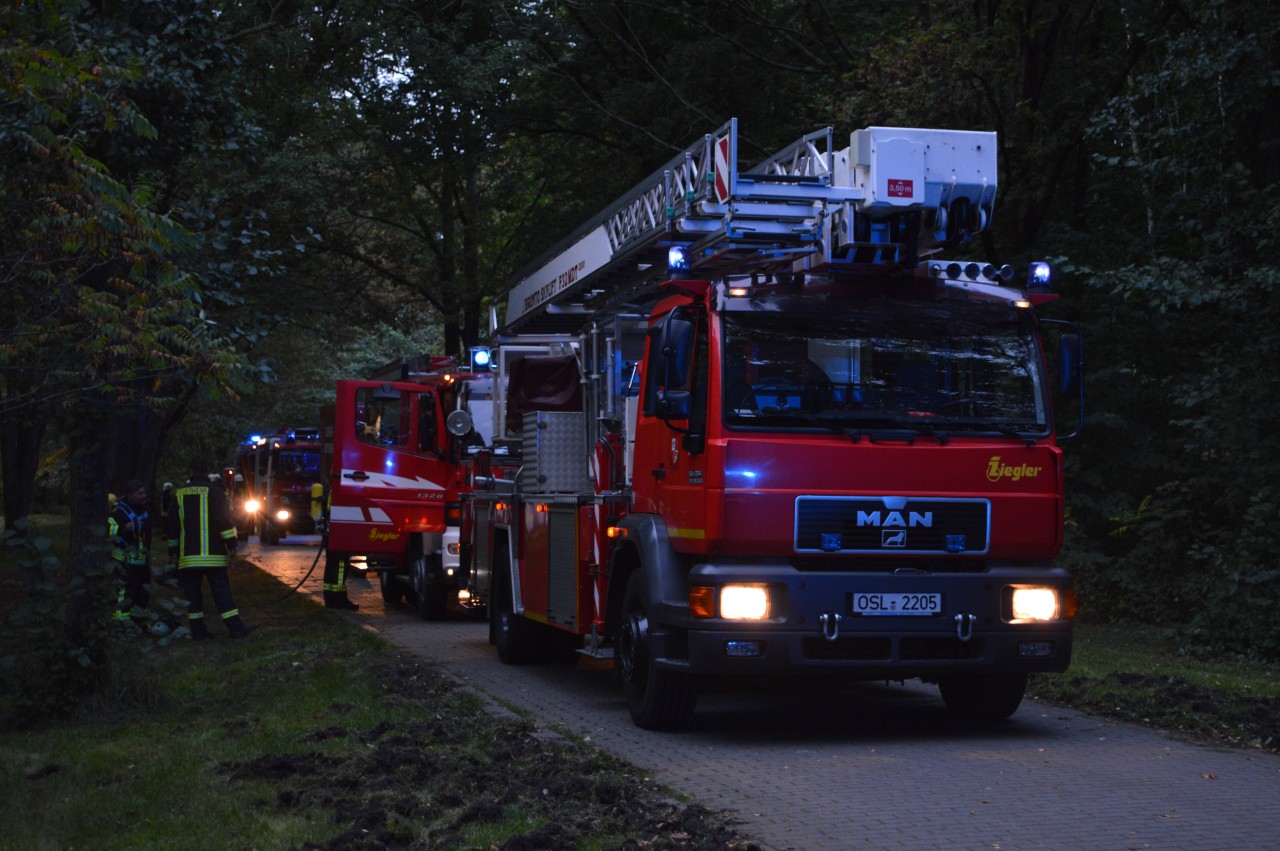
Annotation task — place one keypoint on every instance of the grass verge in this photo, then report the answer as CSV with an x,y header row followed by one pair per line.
x,y
1135,673
315,734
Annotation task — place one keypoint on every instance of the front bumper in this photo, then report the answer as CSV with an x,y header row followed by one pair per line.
x,y
812,627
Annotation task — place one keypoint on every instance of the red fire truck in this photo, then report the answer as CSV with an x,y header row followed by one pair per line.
x,y
757,428
394,451
271,486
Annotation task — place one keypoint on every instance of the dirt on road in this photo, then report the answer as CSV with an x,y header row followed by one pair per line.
x,y
441,781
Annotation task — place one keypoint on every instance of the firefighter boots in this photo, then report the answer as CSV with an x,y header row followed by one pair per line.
x,y
238,628
339,600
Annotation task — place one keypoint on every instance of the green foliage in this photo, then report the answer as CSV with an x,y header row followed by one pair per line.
x,y
98,306
1187,326
59,643
218,211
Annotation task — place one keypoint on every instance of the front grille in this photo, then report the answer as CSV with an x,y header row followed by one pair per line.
x,y
891,525
872,649
862,564
921,649
848,649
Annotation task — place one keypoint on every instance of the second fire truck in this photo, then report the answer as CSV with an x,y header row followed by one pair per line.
x,y
754,425
394,455
272,481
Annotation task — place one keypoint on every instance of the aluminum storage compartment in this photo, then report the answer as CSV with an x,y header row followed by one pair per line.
x,y
555,453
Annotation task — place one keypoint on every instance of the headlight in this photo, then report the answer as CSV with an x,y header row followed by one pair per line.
x,y
282,514
251,506
744,602
1035,604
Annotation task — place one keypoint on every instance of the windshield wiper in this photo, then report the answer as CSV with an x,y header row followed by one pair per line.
x,y
924,427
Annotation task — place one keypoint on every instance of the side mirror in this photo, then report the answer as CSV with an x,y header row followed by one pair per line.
x,y
459,423
674,404
427,422
1070,369
1070,364
670,352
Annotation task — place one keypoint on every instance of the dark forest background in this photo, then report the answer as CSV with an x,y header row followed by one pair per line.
x,y
211,210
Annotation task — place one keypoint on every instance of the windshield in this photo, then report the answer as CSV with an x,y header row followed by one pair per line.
x,y
298,465
883,362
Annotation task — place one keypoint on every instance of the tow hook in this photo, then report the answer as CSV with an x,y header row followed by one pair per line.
x,y
830,625
964,626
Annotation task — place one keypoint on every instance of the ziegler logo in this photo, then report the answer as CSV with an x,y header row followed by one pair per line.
x,y
899,188
997,470
377,535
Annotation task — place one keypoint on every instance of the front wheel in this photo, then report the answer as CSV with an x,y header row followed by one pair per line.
x,y
658,699
983,697
392,589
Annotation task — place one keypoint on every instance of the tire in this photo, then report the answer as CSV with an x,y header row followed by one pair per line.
x,y
392,589
983,697
431,598
267,535
510,633
657,699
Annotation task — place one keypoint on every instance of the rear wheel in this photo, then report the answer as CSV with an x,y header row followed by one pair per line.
x,y
510,633
429,590
658,699
983,697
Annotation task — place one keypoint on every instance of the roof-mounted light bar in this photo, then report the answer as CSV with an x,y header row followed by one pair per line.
x,y
982,273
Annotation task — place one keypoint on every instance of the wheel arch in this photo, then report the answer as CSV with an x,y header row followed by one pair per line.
x,y
646,545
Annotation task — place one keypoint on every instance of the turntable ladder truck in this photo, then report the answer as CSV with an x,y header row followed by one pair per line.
x,y
754,428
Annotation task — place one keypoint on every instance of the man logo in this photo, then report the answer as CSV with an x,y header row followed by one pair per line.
x,y
895,540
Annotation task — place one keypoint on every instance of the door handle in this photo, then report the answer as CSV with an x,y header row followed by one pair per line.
x,y
660,473
358,475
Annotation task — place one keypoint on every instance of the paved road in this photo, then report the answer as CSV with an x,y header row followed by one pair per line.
x,y
872,767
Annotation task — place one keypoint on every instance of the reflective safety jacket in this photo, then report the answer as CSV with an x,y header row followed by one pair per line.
x,y
199,526
130,533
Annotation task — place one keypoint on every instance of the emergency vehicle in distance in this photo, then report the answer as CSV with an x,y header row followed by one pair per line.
x,y
271,487
752,428
394,465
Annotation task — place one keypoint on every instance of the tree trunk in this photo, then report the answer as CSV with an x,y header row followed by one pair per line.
x,y
20,440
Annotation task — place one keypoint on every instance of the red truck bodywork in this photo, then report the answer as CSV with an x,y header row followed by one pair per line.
x,y
393,480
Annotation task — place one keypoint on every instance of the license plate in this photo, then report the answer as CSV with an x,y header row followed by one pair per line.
x,y
896,604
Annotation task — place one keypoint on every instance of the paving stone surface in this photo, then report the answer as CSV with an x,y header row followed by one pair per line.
x,y
869,766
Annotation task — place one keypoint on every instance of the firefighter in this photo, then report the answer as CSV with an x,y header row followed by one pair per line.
x,y
129,527
202,539
335,566
335,583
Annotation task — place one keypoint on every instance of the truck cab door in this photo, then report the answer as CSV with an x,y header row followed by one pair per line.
x,y
671,437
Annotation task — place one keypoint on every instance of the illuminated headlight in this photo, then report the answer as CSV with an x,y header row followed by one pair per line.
x,y
282,514
1035,604
744,602
251,506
